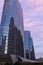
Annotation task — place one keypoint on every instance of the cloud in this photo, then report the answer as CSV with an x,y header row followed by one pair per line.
x,y
38,2
34,2
32,9
41,35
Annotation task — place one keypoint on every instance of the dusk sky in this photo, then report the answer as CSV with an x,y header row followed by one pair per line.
x,y
33,21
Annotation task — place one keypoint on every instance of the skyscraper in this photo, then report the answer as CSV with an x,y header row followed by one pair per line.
x,y
12,8
29,49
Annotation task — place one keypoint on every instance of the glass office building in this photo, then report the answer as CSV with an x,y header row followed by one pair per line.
x,y
12,14
29,48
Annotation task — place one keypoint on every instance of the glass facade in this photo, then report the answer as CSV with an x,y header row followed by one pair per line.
x,y
29,49
13,9
27,39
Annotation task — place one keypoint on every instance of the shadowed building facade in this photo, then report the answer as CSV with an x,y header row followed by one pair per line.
x,y
12,28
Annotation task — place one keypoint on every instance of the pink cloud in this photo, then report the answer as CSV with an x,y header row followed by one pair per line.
x,y
41,35
34,2
38,2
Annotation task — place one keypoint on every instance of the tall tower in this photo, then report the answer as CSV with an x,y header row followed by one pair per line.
x,y
12,8
29,45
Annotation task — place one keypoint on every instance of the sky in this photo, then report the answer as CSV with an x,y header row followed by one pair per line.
x,y
33,21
